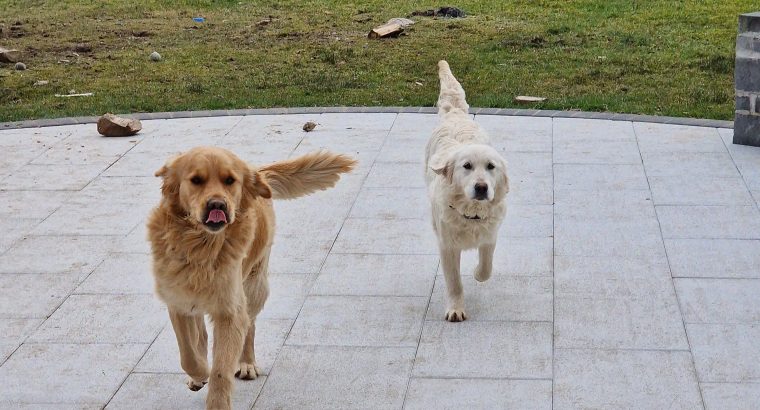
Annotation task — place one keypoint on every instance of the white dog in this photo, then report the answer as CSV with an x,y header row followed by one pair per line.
x,y
467,184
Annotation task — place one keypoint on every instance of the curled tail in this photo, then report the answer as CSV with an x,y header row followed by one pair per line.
x,y
452,95
308,173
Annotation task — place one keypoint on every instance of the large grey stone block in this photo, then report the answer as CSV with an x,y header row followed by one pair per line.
x,y
747,80
314,377
620,379
482,394
93,373
726,352
513,350
719,300
169,391
359,321
714,258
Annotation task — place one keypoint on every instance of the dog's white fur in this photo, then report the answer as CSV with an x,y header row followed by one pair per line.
x,y
458,156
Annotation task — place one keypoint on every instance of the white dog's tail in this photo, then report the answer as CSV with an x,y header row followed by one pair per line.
x,y
308,173
452,95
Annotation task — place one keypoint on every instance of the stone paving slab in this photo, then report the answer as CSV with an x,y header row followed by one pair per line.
x,y
625,275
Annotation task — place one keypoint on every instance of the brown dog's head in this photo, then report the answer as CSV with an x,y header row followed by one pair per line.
x,y
210,186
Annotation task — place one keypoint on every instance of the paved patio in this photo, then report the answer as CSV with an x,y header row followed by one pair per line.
x,y
627,273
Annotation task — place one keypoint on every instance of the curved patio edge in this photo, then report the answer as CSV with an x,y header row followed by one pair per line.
x,y
698,122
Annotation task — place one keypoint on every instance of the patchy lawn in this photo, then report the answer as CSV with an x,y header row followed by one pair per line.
x,y
654,57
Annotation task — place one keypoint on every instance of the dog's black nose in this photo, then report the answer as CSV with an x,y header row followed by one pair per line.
x,y
216,204
481,191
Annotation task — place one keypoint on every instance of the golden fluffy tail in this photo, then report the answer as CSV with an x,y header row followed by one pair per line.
x,y
315,171
452,95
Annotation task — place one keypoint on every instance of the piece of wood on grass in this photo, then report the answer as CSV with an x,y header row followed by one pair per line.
x,y
386,30
8,56
110,125
526,99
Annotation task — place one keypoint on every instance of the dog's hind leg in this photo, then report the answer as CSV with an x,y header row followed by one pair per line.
x,y
450,259
485,262
193,343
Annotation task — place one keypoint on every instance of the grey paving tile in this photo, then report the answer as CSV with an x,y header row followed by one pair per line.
x,y
501,298
515,257
530,190
528,221
137,164
135,242
6,349
455,394
169,391
396,175
719,300
101,218
618,322
286,296
415,123
405,147
366,323
93,373
725,352
14,229
528,164
320,215
596,152
611,277
691,164
596,205
95,319
56,254
163,354
468,349
350,377
691,190
717,258
619,379
737,396
719,222
120,273
606,237
14,331
518,134
30,204
34,295
298,253
388,236
141,193
87,149
392,203
599,177
380,275
573,129
51,177
677,138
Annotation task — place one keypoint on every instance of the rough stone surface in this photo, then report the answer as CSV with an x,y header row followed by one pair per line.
x,y
110,125
618,282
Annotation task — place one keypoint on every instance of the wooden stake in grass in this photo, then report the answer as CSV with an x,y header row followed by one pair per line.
x,y
386,30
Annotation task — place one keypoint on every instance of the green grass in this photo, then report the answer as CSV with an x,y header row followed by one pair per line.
x,y
652,57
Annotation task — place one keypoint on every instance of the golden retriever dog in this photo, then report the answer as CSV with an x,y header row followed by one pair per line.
x,y
467,185
211,237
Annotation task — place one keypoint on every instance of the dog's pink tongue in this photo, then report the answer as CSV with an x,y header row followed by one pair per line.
x,y
216,216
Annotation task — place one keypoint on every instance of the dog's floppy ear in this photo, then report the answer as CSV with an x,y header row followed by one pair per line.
x,y
441,164
170,183
257,186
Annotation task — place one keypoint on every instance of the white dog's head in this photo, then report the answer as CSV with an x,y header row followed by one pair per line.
x,y
477,174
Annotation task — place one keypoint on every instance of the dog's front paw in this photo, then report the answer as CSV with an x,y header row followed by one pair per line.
x,y
456,315
481,273
248,371
195,385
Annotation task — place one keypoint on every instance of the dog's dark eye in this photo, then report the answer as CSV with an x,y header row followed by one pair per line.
x,y
490,166
196,180
229,181
467,165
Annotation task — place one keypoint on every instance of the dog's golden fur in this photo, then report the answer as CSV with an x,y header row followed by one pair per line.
x,y
201,268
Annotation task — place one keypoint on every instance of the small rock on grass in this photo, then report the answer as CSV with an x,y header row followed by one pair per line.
x,y
526,99
110,125
309,126
20,66
155,56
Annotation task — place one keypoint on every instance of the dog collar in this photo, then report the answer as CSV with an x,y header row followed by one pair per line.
x,y
468,217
